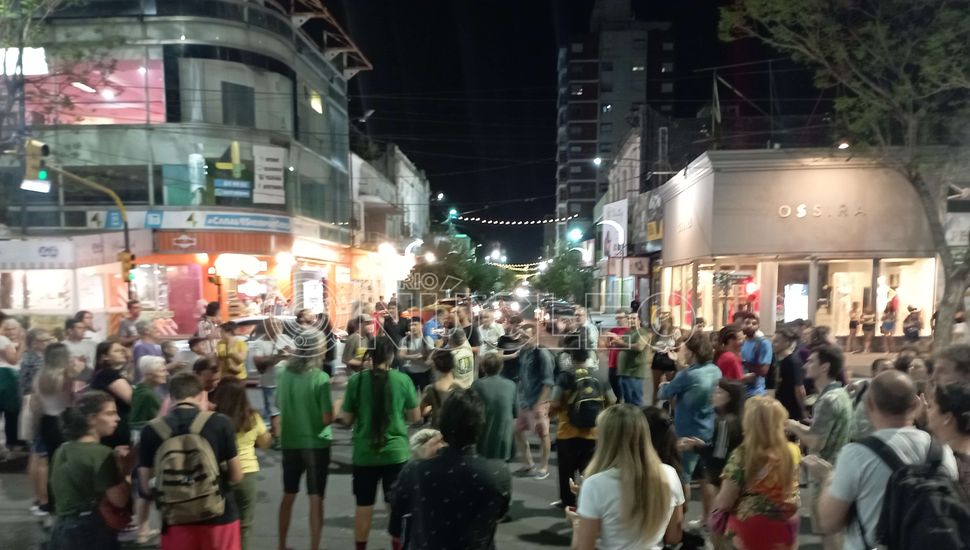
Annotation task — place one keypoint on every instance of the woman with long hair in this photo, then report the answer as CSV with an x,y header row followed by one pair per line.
x,y
52,394
629,499
230,399
85,473
666,342
110,358
379,403
759,485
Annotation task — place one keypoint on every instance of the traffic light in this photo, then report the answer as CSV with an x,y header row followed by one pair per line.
x,y
127,259
35,169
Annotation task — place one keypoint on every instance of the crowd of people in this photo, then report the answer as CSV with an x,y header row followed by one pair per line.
x,y
444,413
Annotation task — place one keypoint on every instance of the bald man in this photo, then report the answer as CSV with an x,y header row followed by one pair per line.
x,y
860,476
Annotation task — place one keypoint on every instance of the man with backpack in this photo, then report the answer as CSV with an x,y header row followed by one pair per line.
x,y
581,393
896,487
197,511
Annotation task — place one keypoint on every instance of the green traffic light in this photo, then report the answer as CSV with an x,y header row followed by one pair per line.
x,y
42,174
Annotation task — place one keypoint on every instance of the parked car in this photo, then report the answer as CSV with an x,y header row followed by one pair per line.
x,y
556,315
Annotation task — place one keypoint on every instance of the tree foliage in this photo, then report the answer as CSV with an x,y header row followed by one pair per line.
x,y
565,277
456,268
900,70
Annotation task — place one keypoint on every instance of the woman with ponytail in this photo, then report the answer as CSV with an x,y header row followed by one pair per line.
x,y
948,417
759,486
630,499
379,403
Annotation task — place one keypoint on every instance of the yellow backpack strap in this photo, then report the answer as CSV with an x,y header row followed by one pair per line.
x,y
162,428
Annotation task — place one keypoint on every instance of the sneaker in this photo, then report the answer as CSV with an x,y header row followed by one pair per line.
x,y
525,471
40,511
697,525
539,475
557,504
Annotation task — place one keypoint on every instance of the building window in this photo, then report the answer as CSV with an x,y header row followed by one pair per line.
x,y
576,89
576,148
575,169
638,68
667,87
607,107
666,108
606,127
575,130
575,69
316,103
238,105
667,67
575,207
607,65
606,148
640,43
575,189
577,47
606,85
668,46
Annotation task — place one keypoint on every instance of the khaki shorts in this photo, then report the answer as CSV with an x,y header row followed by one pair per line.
x,y
529,420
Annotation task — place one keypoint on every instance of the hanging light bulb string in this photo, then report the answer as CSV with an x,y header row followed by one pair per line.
x,y
516,222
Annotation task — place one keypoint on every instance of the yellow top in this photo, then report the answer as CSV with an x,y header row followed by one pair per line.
x,y
224,361
246,445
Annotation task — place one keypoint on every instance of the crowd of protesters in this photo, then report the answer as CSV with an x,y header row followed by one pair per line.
x,y
761,427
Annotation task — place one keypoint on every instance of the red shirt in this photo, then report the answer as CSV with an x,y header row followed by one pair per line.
x,y
730,365
615,352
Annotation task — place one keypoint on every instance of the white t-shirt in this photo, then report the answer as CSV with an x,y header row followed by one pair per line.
x,y
4,344
600,499
861,477
490,336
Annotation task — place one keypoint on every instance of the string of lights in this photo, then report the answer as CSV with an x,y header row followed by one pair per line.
x,y
516,222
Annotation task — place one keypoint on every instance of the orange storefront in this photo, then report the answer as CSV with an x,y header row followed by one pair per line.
x,y
191,268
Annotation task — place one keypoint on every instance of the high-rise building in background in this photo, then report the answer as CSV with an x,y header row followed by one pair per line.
x,y
605,78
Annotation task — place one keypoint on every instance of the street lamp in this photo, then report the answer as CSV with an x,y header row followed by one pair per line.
x,y
505,259
843,145
441,197
495,255
430,258
452,213
387,249
575,234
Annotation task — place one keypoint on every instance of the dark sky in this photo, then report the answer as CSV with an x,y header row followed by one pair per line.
x,y
468,90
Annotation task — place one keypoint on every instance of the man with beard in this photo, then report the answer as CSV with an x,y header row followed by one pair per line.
x,y
755,355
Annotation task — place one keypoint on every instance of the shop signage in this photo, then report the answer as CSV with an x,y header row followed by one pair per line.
x,y
184,241
269,175
232,188
803,210
614,236
247,221
248,242
153,218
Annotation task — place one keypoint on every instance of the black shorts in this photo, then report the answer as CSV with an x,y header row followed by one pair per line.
x,y
366,479
316,464
853,325
662,362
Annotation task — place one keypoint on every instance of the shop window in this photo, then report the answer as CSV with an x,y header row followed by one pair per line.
x,y
843,282
792,291
904,284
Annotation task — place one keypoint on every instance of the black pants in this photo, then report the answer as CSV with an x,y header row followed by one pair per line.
x,y
574,454
53,437
615,383
420,379
11,419
87,532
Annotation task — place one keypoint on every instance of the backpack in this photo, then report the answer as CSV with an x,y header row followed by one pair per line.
x,y
922,506
587,400
187,474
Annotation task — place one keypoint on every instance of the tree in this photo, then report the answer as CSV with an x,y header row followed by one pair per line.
x,y
900,71
23,29
456,267
565,277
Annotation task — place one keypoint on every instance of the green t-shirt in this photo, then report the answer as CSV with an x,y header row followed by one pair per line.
x,y
401,397
82,473
302,398
145,403
631,362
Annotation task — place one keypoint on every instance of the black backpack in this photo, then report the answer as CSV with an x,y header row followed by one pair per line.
x,y
922,506
587,401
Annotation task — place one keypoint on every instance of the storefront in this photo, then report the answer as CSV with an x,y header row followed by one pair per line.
x,y
190,268
321,278
50,278
793,234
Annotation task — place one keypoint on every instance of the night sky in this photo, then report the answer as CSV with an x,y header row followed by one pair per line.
x,y
468,91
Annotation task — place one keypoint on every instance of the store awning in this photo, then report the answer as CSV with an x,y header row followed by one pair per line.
x,y
70,252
